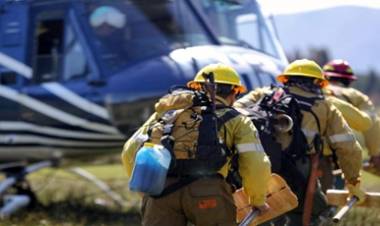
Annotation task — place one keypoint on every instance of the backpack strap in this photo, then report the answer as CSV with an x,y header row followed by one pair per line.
x,y
233,176
306,104
227,116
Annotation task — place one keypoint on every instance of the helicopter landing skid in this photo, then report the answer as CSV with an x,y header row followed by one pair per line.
x,y
16,179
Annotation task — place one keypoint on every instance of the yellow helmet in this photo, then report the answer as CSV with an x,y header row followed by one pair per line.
x,y
305,68
223,74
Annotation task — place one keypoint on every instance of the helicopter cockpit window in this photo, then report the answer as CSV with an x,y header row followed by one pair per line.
x,y
75,62
238,22
49,49
126,32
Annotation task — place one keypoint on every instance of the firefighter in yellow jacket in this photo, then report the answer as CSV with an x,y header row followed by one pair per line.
x,y
208,200
357,120
340,75
304,79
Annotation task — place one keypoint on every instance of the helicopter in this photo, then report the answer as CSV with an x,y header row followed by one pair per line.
x,y
77,77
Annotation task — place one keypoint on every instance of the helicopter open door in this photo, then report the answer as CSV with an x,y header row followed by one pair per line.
x,y
60,97
58,56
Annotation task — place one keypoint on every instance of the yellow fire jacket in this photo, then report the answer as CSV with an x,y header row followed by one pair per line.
x,y
356,119
363,103
333,128
239,134
353,96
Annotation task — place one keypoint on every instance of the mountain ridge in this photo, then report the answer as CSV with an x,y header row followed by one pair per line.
x,y
347,32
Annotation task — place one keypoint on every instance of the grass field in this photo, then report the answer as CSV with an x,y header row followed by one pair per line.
x,y
67,200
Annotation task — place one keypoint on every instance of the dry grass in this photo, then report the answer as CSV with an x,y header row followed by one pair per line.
x,y
364,216
67,200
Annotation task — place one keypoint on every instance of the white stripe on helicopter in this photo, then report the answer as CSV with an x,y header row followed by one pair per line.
x,y
32,139
15,65
49,152
53,112
23,126
55,88
76,100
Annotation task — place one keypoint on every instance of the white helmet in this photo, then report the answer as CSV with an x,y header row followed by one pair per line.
x,y
107,15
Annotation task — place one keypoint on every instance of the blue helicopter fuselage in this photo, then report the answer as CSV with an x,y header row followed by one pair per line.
x,y
70,86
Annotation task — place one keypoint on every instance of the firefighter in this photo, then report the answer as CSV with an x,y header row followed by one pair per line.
x,y
340,76
208,200
304,80
359,121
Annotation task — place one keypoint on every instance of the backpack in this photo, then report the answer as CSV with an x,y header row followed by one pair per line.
x,y
188,127
281,110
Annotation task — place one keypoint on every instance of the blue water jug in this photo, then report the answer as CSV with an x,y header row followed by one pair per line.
x,y
150,170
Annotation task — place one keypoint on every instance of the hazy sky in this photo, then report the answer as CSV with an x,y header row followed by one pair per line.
x,y
361,49
294,6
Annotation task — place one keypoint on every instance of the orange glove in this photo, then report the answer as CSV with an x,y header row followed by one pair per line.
x,y
355,190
